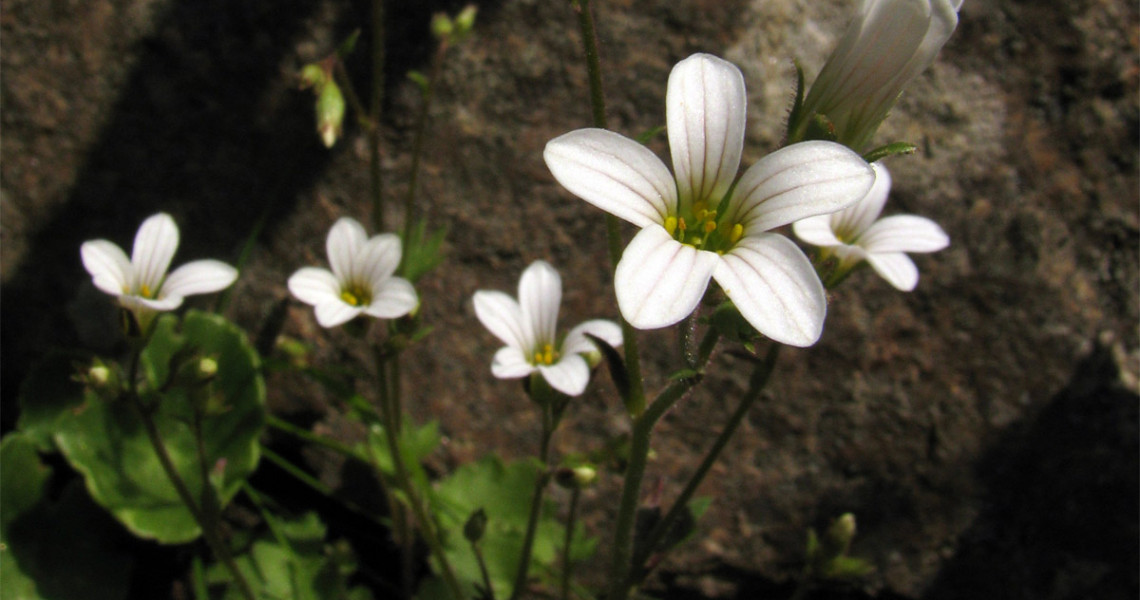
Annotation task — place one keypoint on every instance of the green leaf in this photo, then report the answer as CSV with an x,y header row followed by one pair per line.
x,y
54,550
107,442
504,491
422,251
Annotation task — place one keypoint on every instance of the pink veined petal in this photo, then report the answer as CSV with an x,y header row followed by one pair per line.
x,y
540,295
796,182
345,239
659,281
705,108
576,341
614,173
904,233
852,221
897,268
510,363
314,286
391,298
569,375
198,277
155,244
376,260
108,265
331,313
503,317
775,289
816,231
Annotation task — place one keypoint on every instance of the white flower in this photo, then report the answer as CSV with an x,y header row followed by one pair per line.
x,y
854,235
361,280
884,48
141,283
699,224
527,327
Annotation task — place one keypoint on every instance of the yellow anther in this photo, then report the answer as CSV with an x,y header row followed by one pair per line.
x,y
681,224
737,233
670,224
710,226
545,356
350,298
144,291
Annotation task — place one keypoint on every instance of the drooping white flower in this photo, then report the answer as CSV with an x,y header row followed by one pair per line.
x,y
528,328
884,48
361,280
697,224
853,235
141,283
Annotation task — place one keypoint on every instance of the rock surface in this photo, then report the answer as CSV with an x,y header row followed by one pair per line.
x,y
982,428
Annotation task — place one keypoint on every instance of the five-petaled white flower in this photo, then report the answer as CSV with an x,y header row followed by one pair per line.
x,y
853,235
884,48
527,327
141,283
700,224
361,280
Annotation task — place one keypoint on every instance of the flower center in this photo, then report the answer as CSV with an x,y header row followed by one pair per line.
x,y
701,230
355,295
145,292
547,355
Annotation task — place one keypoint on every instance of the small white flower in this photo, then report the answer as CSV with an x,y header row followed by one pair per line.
x,y
854,235
361,280
698,224
141,283
527,327
884,48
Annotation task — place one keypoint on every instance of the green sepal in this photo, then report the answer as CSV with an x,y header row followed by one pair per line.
x,y
890,150
618,372
796,113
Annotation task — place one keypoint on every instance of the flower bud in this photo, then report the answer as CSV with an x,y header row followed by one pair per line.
x,y
576,478
313,76
330,113
441,26
465,21
475,526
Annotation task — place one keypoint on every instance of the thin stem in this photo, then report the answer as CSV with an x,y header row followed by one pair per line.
x,y
375,107
756,384
208,526
571,521
405,481
636,401
490,589
631,490
341,74
418,140
539,486
308,436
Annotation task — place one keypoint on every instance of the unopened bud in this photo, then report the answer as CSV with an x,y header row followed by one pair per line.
x,y
837,541
313,76
98,376
207,369
576,478
441,26
475,526
465,20
330,113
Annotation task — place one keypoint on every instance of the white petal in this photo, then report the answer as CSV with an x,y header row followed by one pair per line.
x,y
391,298
144,305
852,221
798,181
660,281
376,260
816,231
345,239
569,375
336,312
904,233
540,294
198,277
775,289
314,286
503,317
705,107
614,173
155,244
576,341
510,363
108,265
897,268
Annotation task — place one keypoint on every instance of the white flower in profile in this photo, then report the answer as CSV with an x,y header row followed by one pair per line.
x,y
884,48
699,224
854,235
361,280
528,328
141,282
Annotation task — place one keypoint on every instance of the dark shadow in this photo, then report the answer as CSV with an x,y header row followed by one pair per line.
x,y
1063,495
208,128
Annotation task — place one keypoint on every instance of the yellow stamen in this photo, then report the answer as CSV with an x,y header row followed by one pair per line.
x,y
144,291
671,224
349,298
681,224
737,233
710,226
546,356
